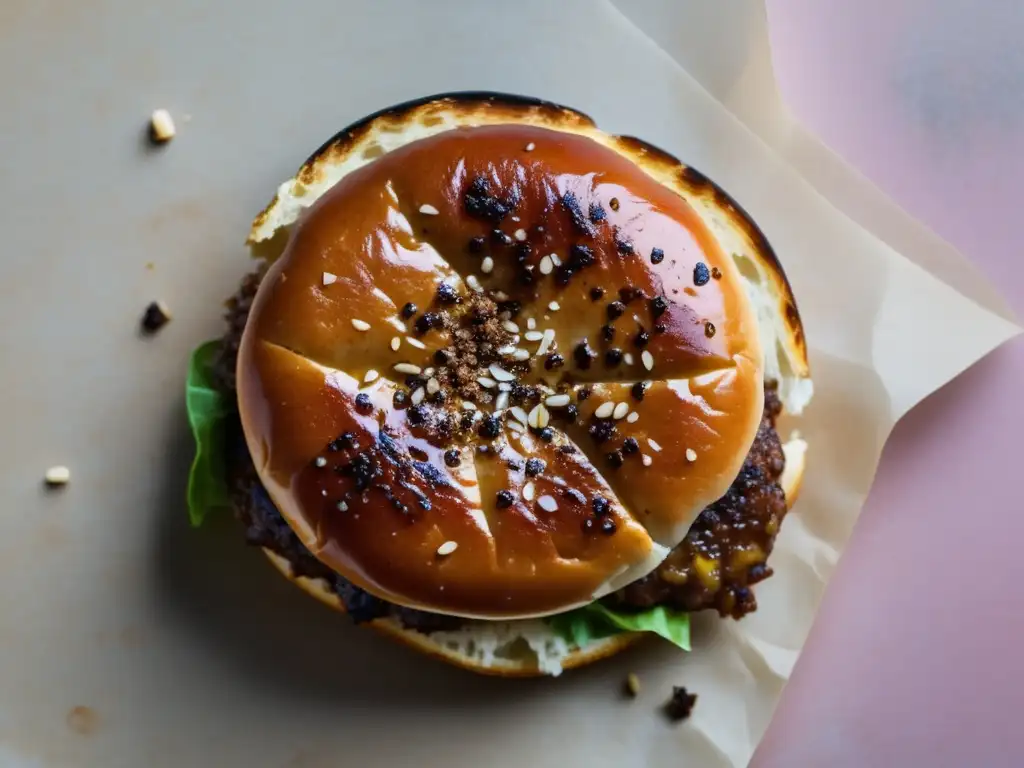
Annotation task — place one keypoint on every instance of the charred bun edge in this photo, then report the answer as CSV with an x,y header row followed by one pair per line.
x,y
519,664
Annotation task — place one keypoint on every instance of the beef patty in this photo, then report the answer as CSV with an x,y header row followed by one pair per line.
x,y
723,555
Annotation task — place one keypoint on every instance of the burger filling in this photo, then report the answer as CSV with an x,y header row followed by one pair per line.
x,y
714,567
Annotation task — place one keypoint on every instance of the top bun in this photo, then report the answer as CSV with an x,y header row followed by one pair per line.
x,y
529,205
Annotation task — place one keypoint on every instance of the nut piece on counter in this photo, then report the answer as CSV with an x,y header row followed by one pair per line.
x,y
161,126
633,684
155,317
681,704
57,476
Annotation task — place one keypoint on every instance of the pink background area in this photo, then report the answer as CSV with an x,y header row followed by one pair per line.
x,y
914,658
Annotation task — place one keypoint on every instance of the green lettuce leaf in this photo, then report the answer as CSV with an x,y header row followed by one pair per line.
x,y
595,621
208,412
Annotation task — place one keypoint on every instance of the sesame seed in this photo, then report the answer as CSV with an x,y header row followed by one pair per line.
x,y
628,358
428,210
633,417
501,401
487,265
395,344
530,147
547,503
433,385
519,414
556,260
417,396
447,548
646,460
486,381
529,490
648,360
409,368
508,349
654,445
521,354
468,405
691,455
415,342
546,265
370,375
329,278
620,410
500,296
474,284
342,506
360,325
546,341
557,401
509,326
500,374
539,417
554,306
519,234
533,336
321,461
428,372
604,410
531,323
504,386
515,426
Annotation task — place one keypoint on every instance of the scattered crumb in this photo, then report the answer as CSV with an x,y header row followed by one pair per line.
x,y
155,317
57,476
680,704
633,684
161,126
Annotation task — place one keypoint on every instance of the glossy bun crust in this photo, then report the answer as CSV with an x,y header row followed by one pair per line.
x,y
443,240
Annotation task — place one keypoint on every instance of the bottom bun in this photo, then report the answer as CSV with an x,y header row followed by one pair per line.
x,y
525,648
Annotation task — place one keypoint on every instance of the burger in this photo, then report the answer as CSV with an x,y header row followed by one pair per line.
x,y
505,387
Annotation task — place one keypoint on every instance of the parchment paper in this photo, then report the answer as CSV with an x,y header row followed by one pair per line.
x,y
128,639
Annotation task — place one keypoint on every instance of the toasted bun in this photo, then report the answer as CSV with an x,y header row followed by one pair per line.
x,y
398,200
525,648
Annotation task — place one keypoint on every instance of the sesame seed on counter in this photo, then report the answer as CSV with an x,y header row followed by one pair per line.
x,y
58,476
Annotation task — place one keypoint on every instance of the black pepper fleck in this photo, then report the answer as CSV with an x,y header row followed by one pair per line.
x,y
657,256
504,499
447,293
476,244
427,321
581,256
701,275
615,310
601,431
155,317
596,293
547,434
490,427
570,412
601,506
416,415
630,446
363,403
409,310
583,354
659,306
501,238
607,332
613,357
597,213
481,204
452,457
608,526
553,361
441,357
588,524
583,394
534,467
638,391
399,399
660,328
615,459
642,339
